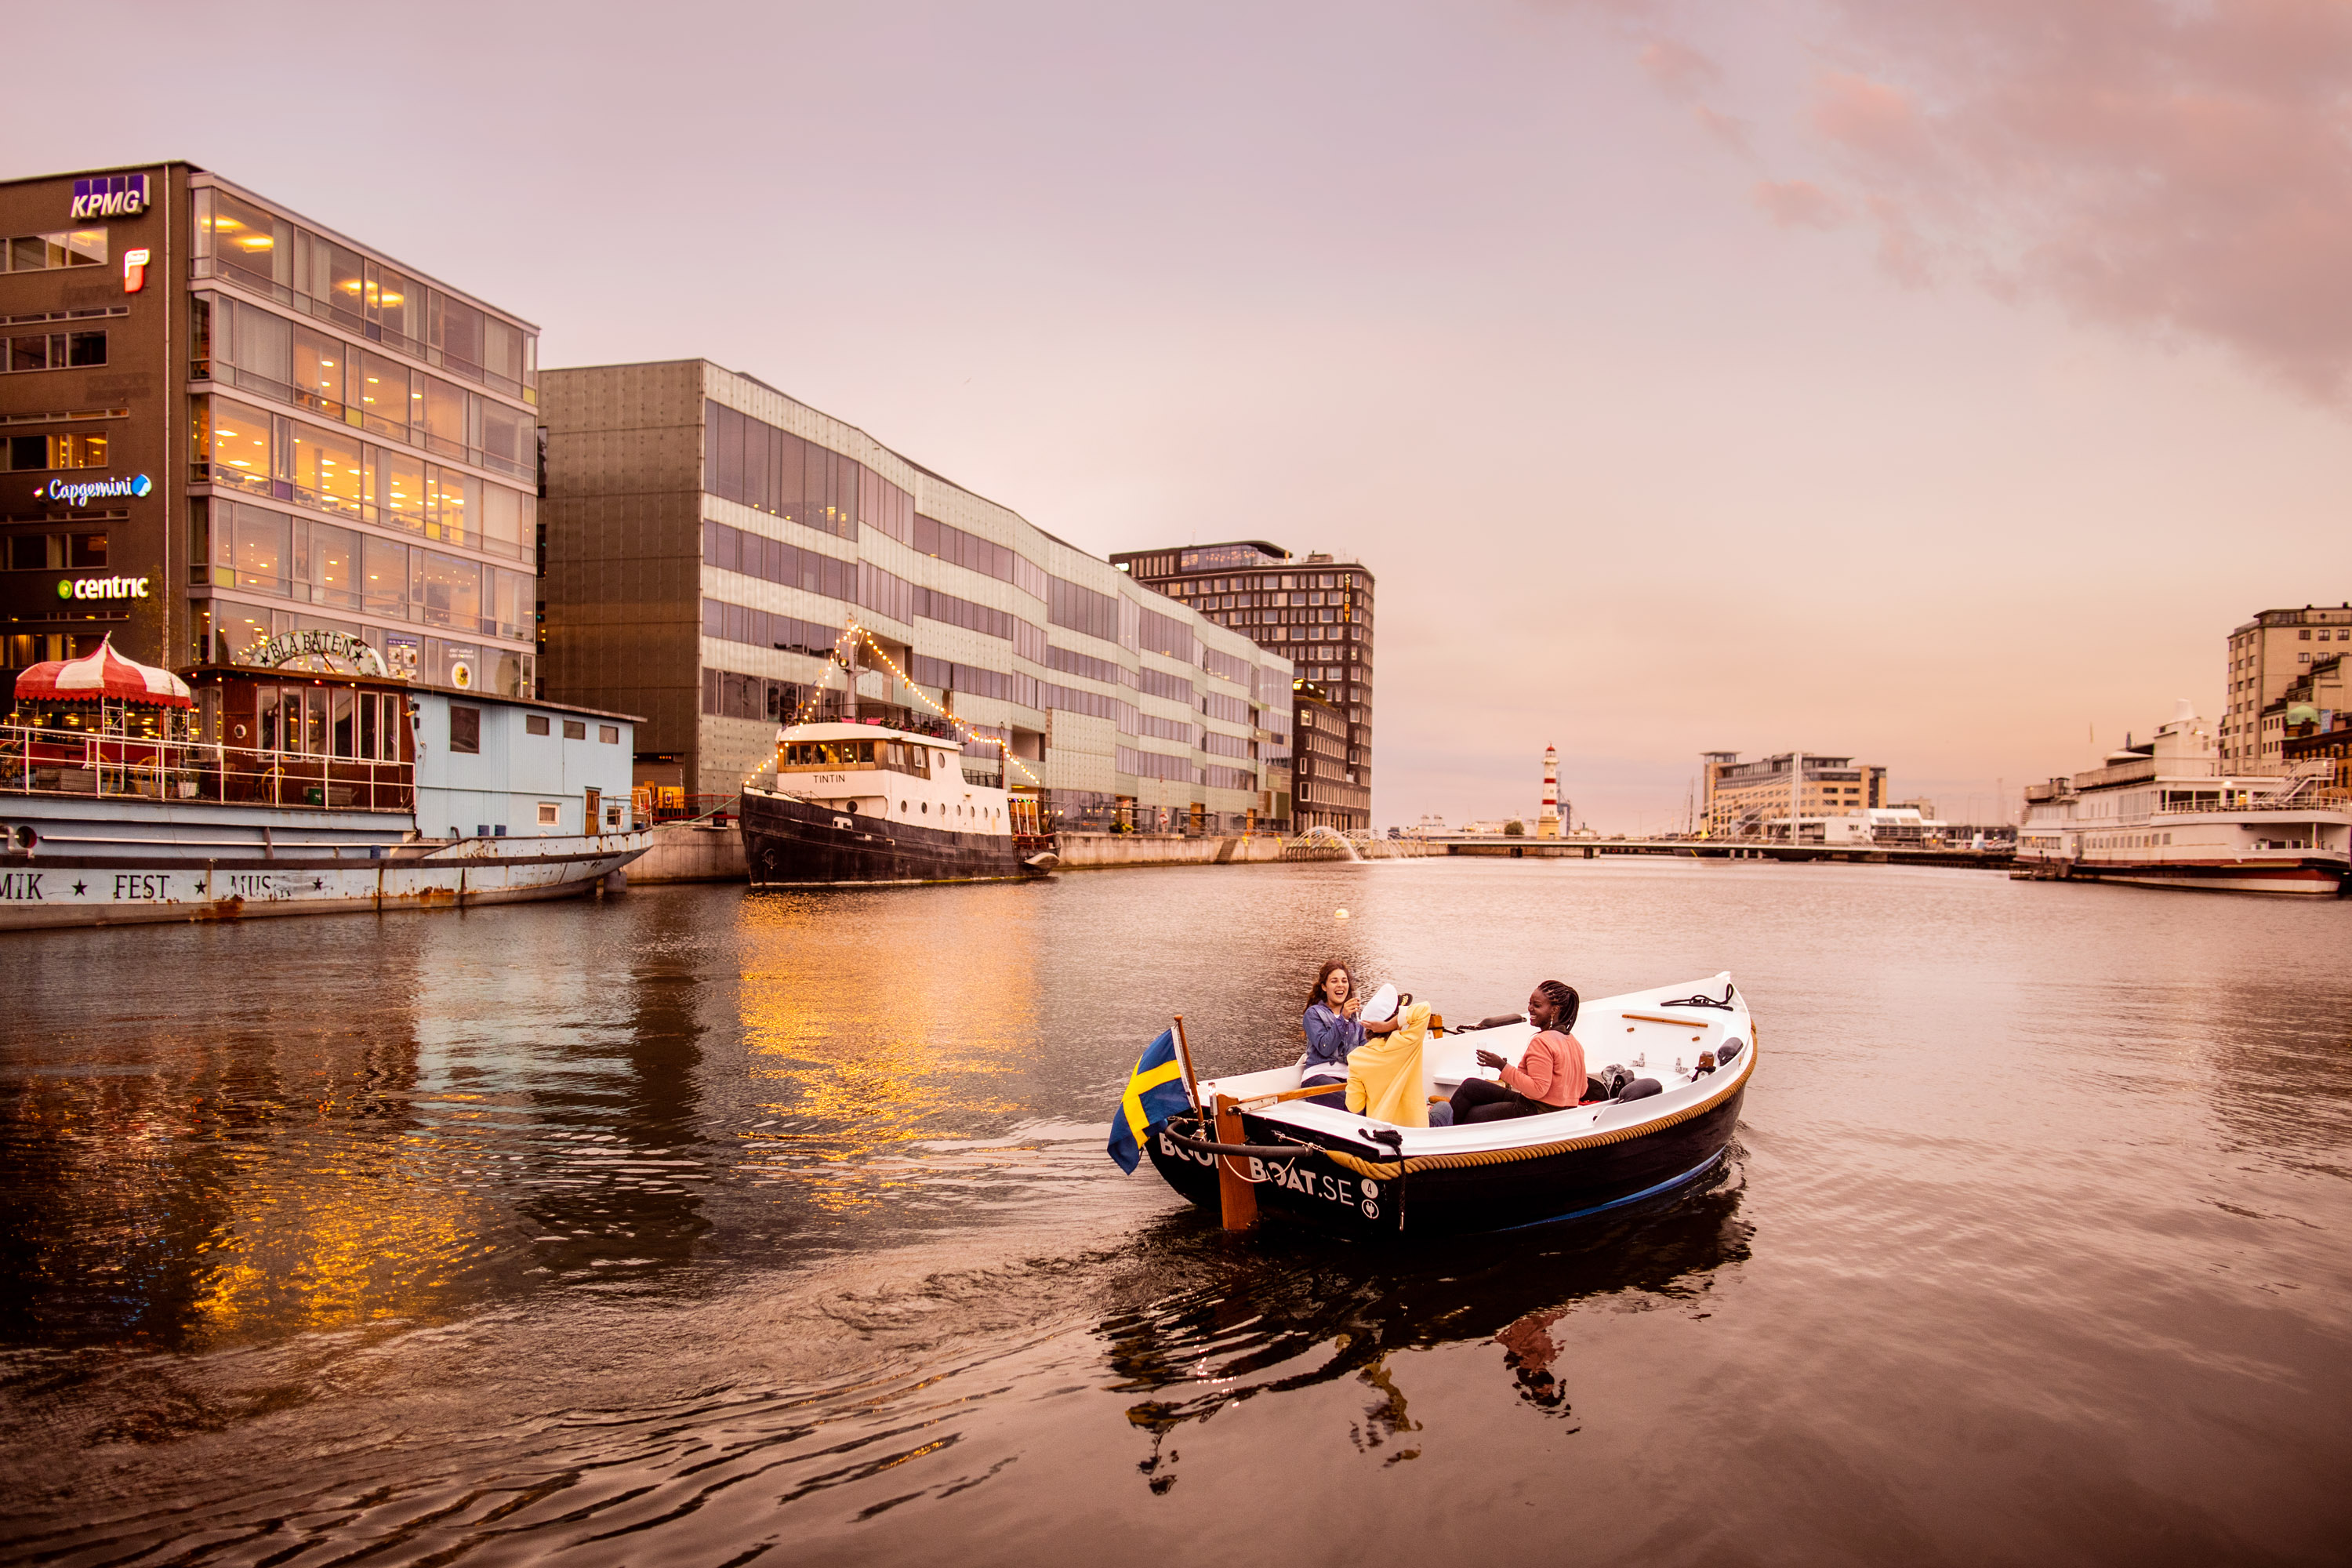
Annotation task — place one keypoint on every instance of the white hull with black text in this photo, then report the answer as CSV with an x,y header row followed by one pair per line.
x,y
857,803
1689,1052
2162,813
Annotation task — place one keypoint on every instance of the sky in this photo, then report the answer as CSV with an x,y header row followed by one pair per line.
x,y
1933,382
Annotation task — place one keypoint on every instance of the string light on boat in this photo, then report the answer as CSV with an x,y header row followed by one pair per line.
x,y
853,630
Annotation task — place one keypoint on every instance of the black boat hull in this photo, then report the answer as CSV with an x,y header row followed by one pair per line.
x,y
1344,1190
789,843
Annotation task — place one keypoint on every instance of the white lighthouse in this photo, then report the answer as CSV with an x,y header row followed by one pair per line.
x,y
1548,825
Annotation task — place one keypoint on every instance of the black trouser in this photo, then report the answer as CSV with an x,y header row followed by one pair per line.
x,y
1484,1100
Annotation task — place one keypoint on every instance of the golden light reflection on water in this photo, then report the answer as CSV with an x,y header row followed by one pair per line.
x,y
854,1085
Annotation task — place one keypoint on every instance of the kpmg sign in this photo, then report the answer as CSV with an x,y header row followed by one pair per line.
x,y
109,195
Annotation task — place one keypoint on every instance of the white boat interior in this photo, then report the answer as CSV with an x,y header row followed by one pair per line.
x,y
1658,1034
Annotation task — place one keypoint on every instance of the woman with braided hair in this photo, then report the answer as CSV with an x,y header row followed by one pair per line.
x,y
1550,1075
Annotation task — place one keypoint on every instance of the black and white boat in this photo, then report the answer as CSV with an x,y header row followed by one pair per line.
x,y
1684,1053
867,802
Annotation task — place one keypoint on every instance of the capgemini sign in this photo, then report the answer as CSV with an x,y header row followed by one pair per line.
x,y
81,492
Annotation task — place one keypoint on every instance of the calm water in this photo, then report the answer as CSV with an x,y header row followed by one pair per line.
x,y
694,1227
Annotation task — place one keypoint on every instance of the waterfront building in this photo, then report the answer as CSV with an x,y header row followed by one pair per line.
x,y
1316,612
1757,798
226,423
709,538
2310,724
2266,656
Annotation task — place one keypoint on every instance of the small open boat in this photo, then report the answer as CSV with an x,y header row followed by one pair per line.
x,y
1683,1056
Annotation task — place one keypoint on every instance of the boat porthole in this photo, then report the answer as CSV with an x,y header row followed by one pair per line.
x,y
902,806
927,806
26,836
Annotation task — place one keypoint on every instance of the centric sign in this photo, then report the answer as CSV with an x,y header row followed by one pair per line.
x,y
102,587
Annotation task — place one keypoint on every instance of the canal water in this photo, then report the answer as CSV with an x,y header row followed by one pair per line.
x,y
703,1226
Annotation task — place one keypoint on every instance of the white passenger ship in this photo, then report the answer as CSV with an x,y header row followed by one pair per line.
x,y
2162,813
129,794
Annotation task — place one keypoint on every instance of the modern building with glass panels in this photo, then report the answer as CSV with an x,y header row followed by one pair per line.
x,y
710,539
1318,613
225,422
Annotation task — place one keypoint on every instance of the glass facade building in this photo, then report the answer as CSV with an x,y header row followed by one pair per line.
x,y
710,539
237,424
1316,612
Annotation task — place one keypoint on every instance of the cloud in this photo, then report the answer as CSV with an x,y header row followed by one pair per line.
x,y
2175,170
1799,204
1678,69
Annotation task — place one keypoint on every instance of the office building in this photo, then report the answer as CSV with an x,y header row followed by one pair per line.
x,y
1750,800
710,539
2311,723
2266,656
1316,612
227,426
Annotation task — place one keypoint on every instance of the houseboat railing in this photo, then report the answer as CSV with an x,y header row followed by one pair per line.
x,y
109,767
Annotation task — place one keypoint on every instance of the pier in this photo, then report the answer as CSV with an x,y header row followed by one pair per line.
x,y
1726,849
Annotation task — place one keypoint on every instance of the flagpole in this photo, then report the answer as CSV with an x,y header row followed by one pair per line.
x,y
1184,1060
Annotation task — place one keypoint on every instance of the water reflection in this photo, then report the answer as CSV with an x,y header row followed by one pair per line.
x,y
1312,1313
872,1022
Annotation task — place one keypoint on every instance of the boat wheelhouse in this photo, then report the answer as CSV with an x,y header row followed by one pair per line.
x,y
128,793
864,802
2163,814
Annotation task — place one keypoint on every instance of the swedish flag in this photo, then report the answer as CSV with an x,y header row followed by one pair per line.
x,y
1155,1091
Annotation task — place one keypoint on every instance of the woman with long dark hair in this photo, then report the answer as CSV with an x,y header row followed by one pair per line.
x,y
1334,1027
1550,1074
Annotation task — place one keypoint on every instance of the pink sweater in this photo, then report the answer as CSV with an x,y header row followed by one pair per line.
x,y
1552,1071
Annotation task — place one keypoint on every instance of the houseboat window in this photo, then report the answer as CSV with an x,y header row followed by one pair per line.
x,y
575,729
266,718
535,725
547,813
345,722
609,735
464,730
315,724
368,732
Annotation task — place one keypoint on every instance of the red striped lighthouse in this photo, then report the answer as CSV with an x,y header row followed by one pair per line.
x,y
1548,825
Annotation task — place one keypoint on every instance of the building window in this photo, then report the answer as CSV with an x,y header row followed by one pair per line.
x,y
609,735
466,730
549,814
52,351
535,725
68,248
575,729
38,452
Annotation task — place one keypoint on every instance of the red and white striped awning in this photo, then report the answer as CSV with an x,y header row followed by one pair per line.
x,y
102,676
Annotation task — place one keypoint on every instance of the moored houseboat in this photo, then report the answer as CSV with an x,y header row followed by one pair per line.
x,y
2163,814
128,793
869,803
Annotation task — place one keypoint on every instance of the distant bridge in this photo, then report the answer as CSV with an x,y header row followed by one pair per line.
x,y
1991,858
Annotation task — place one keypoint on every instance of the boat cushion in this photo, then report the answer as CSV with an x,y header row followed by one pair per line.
x,y
1639,1088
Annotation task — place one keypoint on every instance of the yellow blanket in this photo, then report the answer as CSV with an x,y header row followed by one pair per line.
x,y
1385,1080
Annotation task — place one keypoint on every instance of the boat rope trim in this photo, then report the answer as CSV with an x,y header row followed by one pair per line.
x,y
1393,1170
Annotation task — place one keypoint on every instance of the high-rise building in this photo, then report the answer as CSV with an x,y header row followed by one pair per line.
x,y
710,540
227,425
1758,799
2266,656
1314,611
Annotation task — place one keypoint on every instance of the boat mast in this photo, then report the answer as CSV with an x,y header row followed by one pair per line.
x,y
850,697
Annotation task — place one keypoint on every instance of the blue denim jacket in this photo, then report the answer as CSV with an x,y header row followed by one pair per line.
x,y
1330,1039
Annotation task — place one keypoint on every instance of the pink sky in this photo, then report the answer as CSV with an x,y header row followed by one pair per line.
x,y
1937,381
